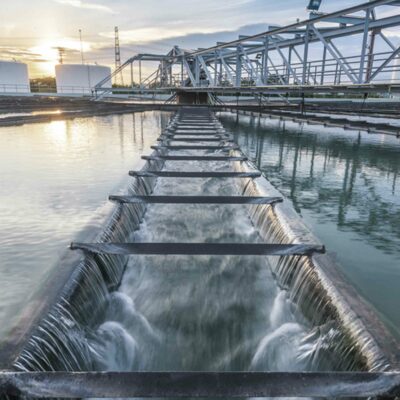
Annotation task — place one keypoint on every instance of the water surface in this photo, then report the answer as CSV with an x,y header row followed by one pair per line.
x,y
210,313
345,185
54,176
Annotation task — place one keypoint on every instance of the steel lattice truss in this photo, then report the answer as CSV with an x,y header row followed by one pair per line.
x,y
303,55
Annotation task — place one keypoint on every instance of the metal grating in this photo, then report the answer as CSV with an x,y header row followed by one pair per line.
x,y
218,249
193,158
194,147
189,174
195,199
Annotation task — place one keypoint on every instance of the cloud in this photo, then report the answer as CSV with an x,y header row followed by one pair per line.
x,y
154,34
391,33
104,52
88,6
21,54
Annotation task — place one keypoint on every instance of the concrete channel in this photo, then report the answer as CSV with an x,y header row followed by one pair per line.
x,y
367,355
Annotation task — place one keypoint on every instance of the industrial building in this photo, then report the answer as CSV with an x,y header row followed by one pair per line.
x,y
79,78
14,77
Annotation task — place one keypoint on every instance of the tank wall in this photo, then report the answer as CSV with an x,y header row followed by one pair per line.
x,y
14,77
80,79
396,70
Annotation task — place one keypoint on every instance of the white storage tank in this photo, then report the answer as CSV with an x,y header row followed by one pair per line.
x,y
396,70
80,78
14,77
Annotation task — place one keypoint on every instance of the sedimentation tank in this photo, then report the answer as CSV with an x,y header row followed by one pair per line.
x,y
76,323
80,78
14,77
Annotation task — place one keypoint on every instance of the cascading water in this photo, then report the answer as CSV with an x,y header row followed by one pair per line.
x,y
198,313
203,313
59,343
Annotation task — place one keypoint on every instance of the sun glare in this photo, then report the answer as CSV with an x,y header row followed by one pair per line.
x,y
48,54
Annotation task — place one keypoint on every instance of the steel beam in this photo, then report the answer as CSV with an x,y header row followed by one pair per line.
x,y
339,60
382,23
265,60
364,46
252,56
322,18
73,385
238,67
385,63
198,249
250,200
205,68
287,63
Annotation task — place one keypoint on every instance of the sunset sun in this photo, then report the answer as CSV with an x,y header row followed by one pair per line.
x,y
48,52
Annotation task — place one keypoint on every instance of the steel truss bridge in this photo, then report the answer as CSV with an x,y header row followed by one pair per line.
x,y
304,57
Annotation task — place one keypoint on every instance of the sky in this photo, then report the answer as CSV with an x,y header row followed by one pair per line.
x,y
31,31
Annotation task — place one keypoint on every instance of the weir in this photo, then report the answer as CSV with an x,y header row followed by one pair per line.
x,y
309,310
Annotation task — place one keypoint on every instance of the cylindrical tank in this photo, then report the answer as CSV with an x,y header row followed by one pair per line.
x,y
14,77
80,78
396,70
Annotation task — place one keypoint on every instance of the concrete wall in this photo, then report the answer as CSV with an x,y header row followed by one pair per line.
x,y
14,77
79,78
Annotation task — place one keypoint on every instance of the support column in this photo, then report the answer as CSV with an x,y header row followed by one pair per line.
x,y
370,64
305,57
265,69
220,72
323,66
364,47
289,69
238,67
182,83
216,69
140,73
197,71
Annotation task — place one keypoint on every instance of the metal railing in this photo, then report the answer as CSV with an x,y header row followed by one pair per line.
x,y
300,55
14,88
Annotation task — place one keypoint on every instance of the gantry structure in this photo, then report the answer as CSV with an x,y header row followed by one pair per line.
x,y
307,56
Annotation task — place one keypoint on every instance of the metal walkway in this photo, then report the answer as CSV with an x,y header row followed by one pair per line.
x,y
197,126
197,384
303,57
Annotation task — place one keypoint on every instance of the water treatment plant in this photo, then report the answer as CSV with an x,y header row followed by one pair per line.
x,y
210,221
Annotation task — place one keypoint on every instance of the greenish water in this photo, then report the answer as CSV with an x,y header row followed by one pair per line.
x,y
54,178
346,186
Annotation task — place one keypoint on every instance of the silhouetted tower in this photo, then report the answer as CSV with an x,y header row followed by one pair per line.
x,y
119,79
61,54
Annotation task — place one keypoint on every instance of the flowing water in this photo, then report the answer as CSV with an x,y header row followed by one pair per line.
x,y
186,313
182,313
199,313
346,187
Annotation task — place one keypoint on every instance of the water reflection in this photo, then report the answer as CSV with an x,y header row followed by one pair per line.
x,y
344,184
54,176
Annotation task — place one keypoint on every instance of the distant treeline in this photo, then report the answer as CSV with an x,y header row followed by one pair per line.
x,y
45,84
